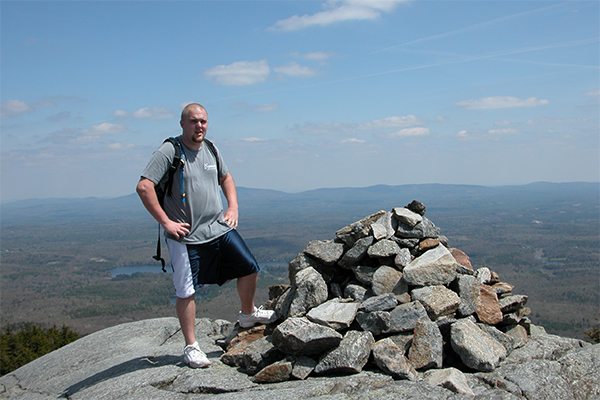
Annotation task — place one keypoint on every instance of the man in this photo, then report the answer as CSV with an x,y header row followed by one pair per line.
x,y
203,243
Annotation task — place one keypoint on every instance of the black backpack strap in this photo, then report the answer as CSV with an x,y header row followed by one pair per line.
x,y
168,190
177,160
158,256
213,150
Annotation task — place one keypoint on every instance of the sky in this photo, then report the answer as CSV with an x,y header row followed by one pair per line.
x,y
300,95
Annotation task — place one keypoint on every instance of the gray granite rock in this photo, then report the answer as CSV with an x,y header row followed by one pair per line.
x,y
426,350
438,300
350,356
390,359
335,314
434,267
299,336
476,348
325,251
384,302
355,255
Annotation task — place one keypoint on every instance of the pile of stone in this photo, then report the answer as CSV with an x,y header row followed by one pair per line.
x,y
390,293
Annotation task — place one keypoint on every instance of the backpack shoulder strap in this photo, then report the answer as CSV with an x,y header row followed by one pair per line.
x,y
177,160
213,150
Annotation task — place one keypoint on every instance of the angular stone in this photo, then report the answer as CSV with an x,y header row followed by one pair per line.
x,y
325,251
476,348
502,288
391,360
512,303
505,340
384,227
303,367
308,290
426,350
356,292
438,300
468,290
422,230
299,336
417,206
350,356
261,353
358,230
488,309
273,373
302,261
355,255
403,341
427,244
364,274
406,216
461,257
236,344
449,378
383,248
385,280
403,258
382,302
405,317
434,267
519,336
484,275
334,314
375,322
406,242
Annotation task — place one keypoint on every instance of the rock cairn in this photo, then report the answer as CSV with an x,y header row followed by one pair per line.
x,y
390,293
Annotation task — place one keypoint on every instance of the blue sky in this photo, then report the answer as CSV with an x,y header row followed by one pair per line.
x,y
300,94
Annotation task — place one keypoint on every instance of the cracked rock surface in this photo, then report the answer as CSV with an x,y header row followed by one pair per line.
x,y
142,360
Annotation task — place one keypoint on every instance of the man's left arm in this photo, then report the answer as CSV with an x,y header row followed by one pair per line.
x,y
230,216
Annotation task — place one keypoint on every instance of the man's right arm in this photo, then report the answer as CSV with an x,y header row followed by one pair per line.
x,y
145,189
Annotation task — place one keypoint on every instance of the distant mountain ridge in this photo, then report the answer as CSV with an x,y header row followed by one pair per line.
x,y
255,201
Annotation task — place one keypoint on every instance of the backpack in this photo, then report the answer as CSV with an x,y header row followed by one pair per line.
x,y
165,185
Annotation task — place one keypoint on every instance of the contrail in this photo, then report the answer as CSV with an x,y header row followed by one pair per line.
x,y
469,28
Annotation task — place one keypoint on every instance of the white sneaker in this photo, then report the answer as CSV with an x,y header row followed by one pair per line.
x,y
194,357
258,316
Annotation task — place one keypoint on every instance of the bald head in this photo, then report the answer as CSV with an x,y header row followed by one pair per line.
x,y
192,106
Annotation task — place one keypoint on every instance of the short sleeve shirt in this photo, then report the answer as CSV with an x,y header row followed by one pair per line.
x,y
203,206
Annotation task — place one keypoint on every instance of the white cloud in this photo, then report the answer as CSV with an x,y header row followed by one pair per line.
x,y
12,108
419,131
353,140
105,128
497,102
338,11
392,122
595,92
505,131
462,134
253,139
295,69
153,113
121,114
315,55
240,73
120,146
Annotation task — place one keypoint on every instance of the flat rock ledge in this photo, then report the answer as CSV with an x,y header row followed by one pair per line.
x,y
142,361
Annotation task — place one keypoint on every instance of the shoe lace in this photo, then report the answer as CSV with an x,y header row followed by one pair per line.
x,y
260,312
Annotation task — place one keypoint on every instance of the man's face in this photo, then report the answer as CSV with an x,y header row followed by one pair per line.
x,y
194,125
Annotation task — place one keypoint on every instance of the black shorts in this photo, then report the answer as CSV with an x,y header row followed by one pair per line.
x,y
223,259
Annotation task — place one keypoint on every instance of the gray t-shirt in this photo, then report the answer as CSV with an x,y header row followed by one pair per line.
x,y
203,207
